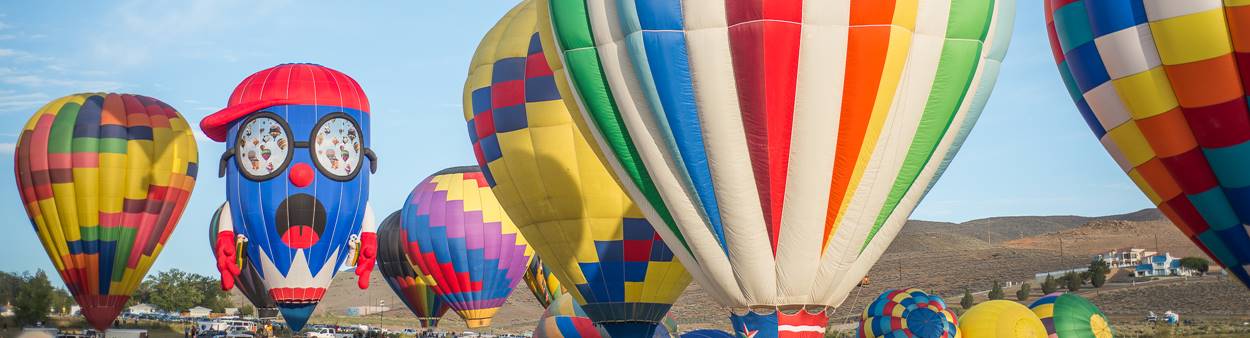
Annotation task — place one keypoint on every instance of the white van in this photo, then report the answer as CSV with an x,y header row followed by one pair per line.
x,y
126,333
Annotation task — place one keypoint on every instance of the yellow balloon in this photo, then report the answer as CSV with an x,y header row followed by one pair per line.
x,y
1001,319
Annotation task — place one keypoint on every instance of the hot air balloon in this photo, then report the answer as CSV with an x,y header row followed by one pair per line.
x,y
297,166
705,127
104,178
565,319
908,313
556,187
248,281
542,283
1160,86
1067,315
707,333
667,329
1000,319
415,289
460,237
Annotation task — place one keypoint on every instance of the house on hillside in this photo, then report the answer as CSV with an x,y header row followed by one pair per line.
x,y
140,309
1161,265
1124,257
199,312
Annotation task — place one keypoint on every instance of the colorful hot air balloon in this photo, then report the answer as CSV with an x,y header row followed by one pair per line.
x,y
707,333
779,174
1162,84
297,166
104,178
667,328
556,187
460,237
415,289
908,313
1000,319
565,319
1067,315
542,283
248,281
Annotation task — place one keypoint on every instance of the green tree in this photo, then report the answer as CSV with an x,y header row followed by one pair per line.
x,y
1049,286
214,297
1023,293
33,300
1073,281
10,284
1199,264
61,300
247,310
996,292
172,291
967,302
1098,270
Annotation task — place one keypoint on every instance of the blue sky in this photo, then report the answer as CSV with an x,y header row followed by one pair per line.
x,y
1030,153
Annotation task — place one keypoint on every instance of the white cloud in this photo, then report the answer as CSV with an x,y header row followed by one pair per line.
x,y
146,26
5,52
8,148
4,26
30,80
10,101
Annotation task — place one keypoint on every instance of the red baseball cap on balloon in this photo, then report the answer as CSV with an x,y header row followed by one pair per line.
x,y
285,84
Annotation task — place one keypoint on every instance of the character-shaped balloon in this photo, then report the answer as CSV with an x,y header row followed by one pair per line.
x,y
296,198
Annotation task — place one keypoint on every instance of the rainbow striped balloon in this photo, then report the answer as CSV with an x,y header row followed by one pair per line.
x,y
415,289
104,178
460,237
565,319
908,313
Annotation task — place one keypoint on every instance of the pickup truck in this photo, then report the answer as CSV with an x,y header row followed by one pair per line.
x,y
326,332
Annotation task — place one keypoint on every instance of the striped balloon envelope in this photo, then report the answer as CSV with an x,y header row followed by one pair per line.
x,y
779,146
565,319
1067,315
413,288
459,236
1000,319
104,178
556,187
1163,86
908,313
542,283
249,281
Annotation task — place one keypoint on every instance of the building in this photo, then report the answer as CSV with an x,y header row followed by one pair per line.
x,y
1041,277
1124,257
232,311
356,311
139,309
199,312
1163,264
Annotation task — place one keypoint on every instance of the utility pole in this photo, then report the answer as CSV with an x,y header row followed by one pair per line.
x,y
381,312
1062,259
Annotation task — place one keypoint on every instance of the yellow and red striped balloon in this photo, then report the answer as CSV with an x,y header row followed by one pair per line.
x,y
104,178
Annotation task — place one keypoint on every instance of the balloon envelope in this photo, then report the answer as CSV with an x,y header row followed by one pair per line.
x,y
1160,87
414,288
556,187
1068,315
779,146
542,283
908,313
1000,319
458,235
707,333
104,178
565,319
249,282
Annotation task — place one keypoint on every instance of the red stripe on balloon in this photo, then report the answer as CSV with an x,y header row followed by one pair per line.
x,y
764,38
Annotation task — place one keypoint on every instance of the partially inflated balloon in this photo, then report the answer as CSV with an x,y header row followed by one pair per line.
x,y
565,319
520,112
104,178
249,282
542,283
1000,319
908,313
460,237
779,146
1067,315
414,288
1162,84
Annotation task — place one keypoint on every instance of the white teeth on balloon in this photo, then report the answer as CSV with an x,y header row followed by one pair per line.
x,y
300,275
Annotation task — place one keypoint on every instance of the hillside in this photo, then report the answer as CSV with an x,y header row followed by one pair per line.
x,y
943,258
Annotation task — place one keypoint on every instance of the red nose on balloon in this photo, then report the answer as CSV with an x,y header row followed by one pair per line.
x,y
301,175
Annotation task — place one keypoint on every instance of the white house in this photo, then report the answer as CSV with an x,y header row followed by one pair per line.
x,y
142,309
231,311
1124,257
366,310
1161,265
199,312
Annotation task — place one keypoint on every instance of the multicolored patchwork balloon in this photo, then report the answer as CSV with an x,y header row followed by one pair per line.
x,y
779,146
249,281
1163,86
556,186
104,178
1000,319
459,236
412,287
908,313
542,283
565,319
1067,315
